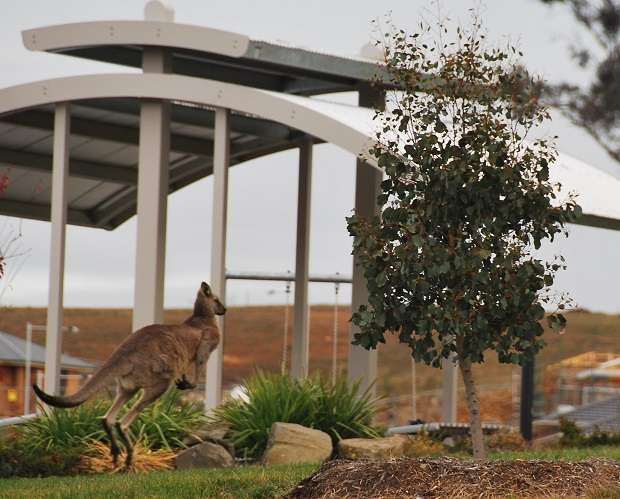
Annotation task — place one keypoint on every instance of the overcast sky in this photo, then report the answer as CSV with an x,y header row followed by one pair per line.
x,y
262,205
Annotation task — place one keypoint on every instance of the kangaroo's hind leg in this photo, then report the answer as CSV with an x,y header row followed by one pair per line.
x,y
149,395
122,397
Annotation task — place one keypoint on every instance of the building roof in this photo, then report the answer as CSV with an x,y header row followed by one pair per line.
x,y
13,351
603,415
606,370
584,360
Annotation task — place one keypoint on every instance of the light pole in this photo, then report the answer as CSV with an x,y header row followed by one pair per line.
x,y
27,382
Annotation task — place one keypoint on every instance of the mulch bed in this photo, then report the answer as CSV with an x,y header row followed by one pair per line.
x,y
450,477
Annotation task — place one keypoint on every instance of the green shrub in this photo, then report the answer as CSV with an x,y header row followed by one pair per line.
x,y
573,436
61,430
165,423
162,425
16,459
341,411
52,443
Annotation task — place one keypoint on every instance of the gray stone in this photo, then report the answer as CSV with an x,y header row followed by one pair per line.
x,y
293,443
204,455
373,448
548,441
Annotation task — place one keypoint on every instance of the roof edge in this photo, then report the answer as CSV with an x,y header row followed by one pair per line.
x,y
165,34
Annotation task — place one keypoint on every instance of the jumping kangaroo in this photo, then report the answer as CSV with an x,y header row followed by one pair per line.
x,y
150,359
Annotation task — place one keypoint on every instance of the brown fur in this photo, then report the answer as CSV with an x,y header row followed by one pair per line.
x,y
150,359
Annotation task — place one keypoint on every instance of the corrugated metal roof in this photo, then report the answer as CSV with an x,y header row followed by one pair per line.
x,y
604,415
13,350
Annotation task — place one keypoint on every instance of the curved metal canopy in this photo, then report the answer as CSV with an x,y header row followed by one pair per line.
x,y
104,141
256,80
103,175
211,54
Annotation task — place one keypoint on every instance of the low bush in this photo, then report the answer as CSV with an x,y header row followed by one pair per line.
x,y
573,436
17,459
339,410
53,443
422,445
165,423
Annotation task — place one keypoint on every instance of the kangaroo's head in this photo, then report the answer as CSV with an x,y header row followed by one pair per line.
x,y
207,304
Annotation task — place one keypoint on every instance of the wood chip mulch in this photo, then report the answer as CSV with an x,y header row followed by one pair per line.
x,y
450,477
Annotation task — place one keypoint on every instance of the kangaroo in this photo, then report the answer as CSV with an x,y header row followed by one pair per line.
x,y
150,359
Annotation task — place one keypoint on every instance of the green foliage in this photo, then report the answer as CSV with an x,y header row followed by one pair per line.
x,y
340,411
62,430
240,482
18,459
165,423
449,266
573,436
53,442
162,425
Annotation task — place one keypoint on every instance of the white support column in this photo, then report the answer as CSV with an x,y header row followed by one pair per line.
x,y
362,363
449,382
60,173
221,162
301,332
153,164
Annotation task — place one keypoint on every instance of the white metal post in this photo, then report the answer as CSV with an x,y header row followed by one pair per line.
x,y
28,381
221,162
450,379
301,333
153,163
60,173
362,363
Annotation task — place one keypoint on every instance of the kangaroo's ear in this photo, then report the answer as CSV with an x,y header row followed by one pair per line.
x,y
205,288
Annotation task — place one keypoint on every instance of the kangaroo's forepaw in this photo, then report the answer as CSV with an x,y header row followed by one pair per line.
x,y
184,384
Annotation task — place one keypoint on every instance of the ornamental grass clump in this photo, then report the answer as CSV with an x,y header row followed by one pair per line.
x,y
67,441
339,410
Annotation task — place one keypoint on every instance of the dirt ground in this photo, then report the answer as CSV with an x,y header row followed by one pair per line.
x,y
448,477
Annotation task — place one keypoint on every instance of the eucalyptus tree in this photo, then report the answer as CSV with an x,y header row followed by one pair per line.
x,y
449,265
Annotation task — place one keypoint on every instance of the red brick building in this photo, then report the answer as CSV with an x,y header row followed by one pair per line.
x,y
13,373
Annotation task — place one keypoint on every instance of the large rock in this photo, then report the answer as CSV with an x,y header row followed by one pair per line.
x,y
293,443
205,455
373,448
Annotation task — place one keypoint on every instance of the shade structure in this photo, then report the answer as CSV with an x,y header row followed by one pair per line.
x,y
269,93
104,141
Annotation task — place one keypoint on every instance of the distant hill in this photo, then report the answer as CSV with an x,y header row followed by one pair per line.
x,y
254,339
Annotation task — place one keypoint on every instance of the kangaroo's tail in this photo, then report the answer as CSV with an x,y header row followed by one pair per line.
x,y
95,384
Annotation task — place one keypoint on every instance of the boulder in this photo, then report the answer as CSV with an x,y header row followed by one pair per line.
x,y
293,443
373,448
204,455
548,441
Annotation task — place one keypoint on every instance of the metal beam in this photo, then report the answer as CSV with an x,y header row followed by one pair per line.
x,y
153,165
362,363
201,116
301,312
22,209
449,385
122,134
77,168
221,165
53,342
111,214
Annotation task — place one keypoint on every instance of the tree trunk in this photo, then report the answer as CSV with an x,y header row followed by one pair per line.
x,y
473,406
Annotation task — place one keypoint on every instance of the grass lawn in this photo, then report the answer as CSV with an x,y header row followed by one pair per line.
x,y
238,482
